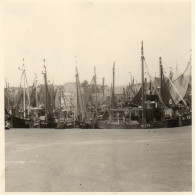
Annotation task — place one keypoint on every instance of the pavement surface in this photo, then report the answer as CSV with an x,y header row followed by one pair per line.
x,y
94,160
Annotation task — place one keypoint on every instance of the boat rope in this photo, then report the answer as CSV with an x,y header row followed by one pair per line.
x,y
138,72
177,91
28,94
155,87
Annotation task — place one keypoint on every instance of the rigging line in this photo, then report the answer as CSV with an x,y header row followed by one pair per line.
x,y
138,71
189,64
92,80
81,99
177,91
20,88
147,68
67,99
21,79
64,99
28,94
155,87
8,96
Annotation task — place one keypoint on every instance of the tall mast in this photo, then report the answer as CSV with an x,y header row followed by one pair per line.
x,y
161,74
95,81
143,87
45,79
77,109
36,96
113,98
111,94
23,77
129,92
24,102
60,97
103,79
113,77
81,109
77,89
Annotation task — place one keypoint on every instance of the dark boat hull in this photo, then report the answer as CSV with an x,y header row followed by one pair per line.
x,y
20,123
158,124
65,125
186,120
105,125
48,124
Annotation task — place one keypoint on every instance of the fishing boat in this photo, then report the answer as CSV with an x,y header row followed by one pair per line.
x,y
46,117
179,89
118,118
64,113
146,110
20,116
35,108
82,120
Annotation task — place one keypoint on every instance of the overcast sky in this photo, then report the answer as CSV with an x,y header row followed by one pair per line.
x,y
98,34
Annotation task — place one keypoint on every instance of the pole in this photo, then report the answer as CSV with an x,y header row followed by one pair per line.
x,y
74,119
77,109
60,97
143,87
129,92
45,78
103,88
8,92
24,91
161,75
28,95
95,89
36,95
130,85
113,98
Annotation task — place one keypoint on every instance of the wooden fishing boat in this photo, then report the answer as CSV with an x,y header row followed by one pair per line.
x,y
66,119
47,119
20,116
81,119
151,110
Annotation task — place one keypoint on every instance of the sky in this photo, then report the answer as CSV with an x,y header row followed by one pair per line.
x,y
98,34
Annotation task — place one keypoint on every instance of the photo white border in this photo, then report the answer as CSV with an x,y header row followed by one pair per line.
x,y
2,131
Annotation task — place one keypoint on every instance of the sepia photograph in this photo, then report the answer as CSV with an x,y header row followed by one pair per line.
x,y
97,96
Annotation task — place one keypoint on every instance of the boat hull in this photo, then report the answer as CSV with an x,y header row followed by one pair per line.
x,y
158,124
106,125
20,123
48,124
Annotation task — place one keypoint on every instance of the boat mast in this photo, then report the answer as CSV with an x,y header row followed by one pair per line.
x,y
45,79
95,82
113,98
103,79
143,87
60,97
77,89
24,100
111,94
23,77
77,110
36,95
161,75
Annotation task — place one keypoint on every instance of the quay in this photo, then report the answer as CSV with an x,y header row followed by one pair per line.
x,y
98,160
